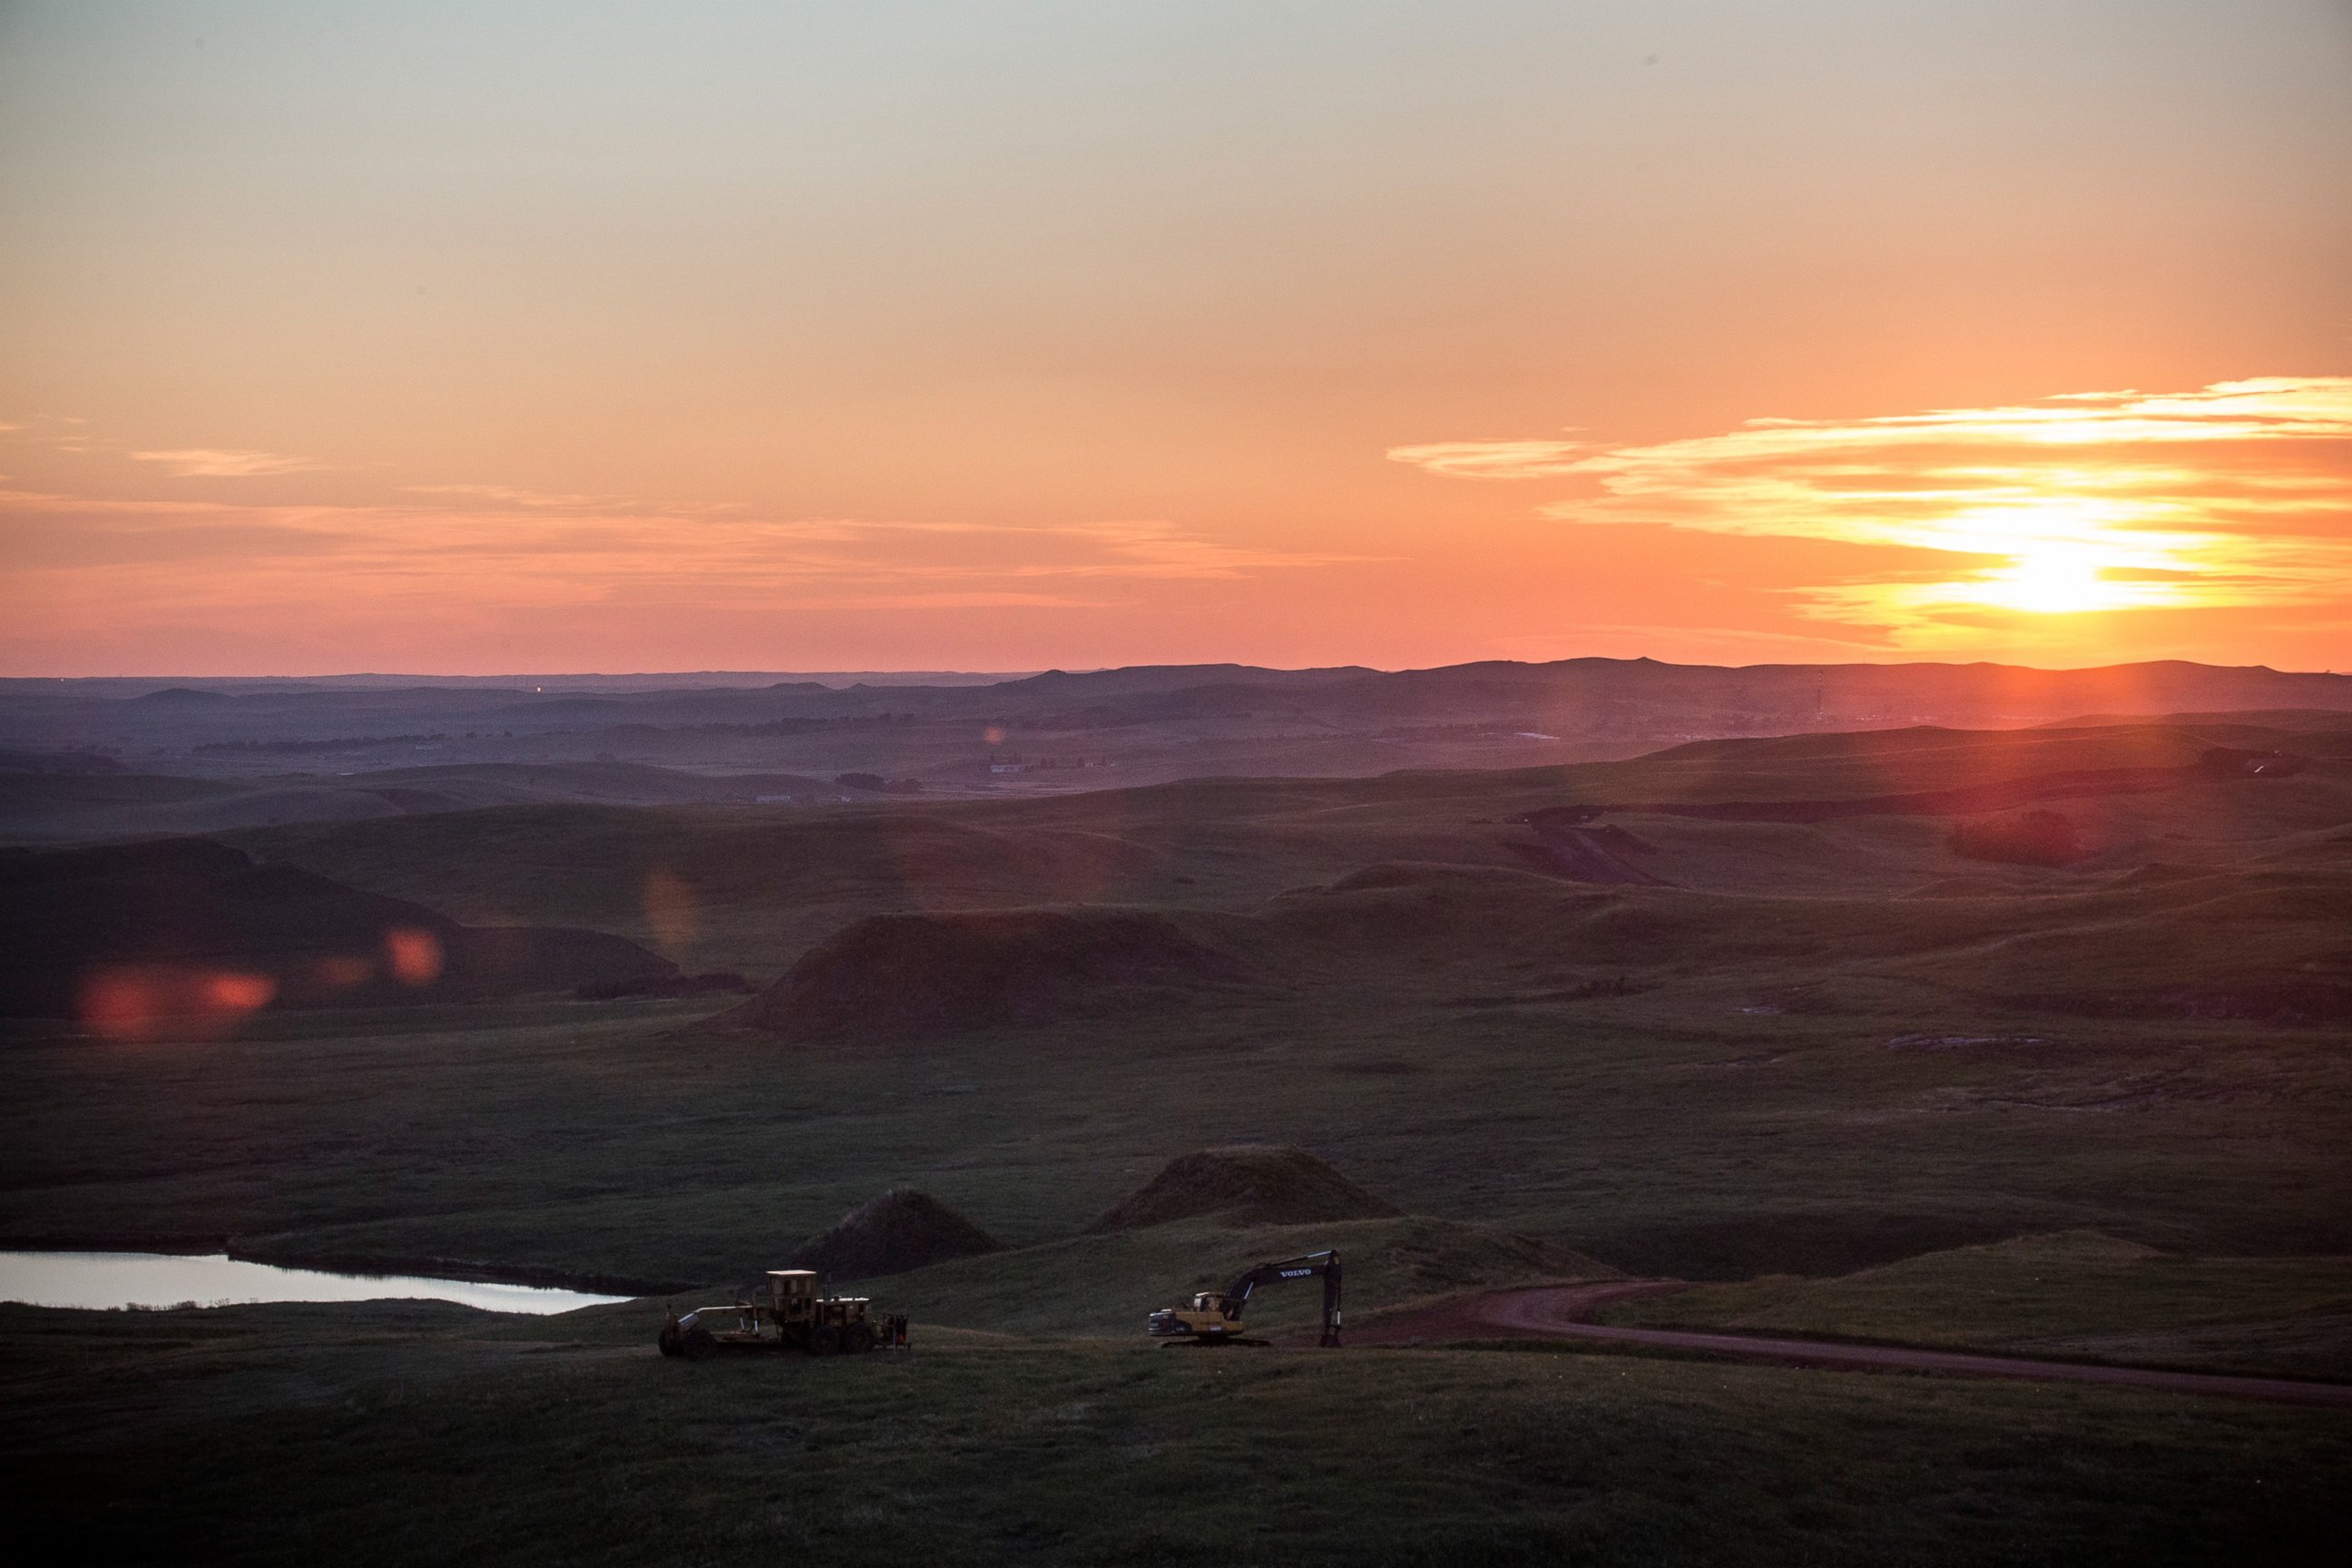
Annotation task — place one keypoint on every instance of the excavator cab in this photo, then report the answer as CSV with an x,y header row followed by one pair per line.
x,y
1215,1316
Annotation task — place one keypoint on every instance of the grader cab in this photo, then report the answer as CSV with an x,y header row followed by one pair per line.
x,y
791,1314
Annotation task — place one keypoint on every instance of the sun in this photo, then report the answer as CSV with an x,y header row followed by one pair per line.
x,y
2057,579
2058,555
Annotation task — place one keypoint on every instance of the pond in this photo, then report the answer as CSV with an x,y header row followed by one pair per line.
x,y
99,1281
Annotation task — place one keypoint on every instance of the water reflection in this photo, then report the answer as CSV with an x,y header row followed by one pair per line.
x,y
111,1280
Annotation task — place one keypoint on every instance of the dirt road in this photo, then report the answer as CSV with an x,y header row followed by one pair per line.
x,y
1560,1311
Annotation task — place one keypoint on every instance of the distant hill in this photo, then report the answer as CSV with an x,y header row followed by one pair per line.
x,y
1061,731
57,806
1815,695
763,885
1842,691
129,937
929,974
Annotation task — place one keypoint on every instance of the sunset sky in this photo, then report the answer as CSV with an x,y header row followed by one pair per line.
x,y
464,338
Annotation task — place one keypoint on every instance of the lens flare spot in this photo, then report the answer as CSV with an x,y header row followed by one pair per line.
x,y
240,993
342,970
412,954
152,1001
671,908
119,1003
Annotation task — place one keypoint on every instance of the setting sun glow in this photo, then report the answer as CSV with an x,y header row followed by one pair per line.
x,y
937,337
2056,580
2231,497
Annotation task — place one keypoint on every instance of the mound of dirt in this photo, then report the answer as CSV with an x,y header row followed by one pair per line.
x,y
1441,876
1586,854
931,973
900,1230
2033,839
1246,1185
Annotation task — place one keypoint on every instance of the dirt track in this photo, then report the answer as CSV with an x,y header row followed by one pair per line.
x,y
1557,1311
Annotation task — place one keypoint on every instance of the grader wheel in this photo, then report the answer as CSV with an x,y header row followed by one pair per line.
x,y
824,1339
857,1339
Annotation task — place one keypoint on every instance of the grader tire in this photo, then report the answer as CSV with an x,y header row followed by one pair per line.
x,y
700,1345
667,1341
824,1339
857,1339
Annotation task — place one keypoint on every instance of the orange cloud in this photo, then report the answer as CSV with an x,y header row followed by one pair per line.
x,y
423,556
2236,495
514,495
208,463
1494,459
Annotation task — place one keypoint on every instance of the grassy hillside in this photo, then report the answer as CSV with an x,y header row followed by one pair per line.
x,y
1834,1066
2077,1294
1669,1131
58,808
1833,1044
745,890
1788,1070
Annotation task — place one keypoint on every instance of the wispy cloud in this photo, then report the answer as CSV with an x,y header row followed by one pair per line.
x,y
1723,645
981,600
515,495
1161,550
215,463
2238,494
479,550
1528,459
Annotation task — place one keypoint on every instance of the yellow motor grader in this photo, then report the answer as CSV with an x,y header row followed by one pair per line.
x,y
793,1314
1214,1318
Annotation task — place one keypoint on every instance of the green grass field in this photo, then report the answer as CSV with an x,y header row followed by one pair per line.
x,y
415,1433
1656,1135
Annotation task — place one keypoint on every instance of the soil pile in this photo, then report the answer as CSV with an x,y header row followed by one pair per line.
x,y
930,973
1246,1185
1586,854
2035,838
900,1230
